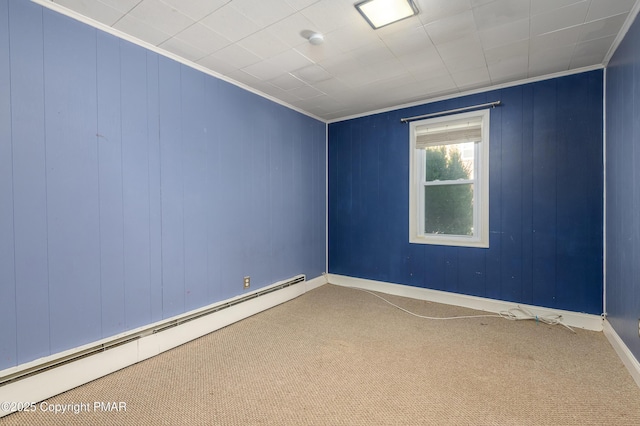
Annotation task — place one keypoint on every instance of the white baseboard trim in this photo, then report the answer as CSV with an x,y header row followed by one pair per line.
x,y
572,319
623,352
52,382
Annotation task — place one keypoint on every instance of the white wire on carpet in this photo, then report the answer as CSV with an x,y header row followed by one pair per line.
x,y
514,314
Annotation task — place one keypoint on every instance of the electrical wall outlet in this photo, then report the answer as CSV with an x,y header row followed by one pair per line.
x,y
247,282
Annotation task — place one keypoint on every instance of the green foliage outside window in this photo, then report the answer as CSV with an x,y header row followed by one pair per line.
x,y
448,208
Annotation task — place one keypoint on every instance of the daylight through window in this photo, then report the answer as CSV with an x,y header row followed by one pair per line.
x,y
449,180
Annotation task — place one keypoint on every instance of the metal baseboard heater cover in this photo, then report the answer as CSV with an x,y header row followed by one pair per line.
x,y
157,328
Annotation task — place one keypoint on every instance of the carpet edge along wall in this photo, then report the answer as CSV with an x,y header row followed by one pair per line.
x,y
134,188
546,189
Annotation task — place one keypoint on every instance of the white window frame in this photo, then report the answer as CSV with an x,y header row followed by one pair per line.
x,y
480,237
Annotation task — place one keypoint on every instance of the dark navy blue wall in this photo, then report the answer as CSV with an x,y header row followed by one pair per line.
x,y
623,189
134,188
546,183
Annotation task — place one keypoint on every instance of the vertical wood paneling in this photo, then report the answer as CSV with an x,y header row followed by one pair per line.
x,y
545,140
231,193
135,178
511,196
110,177
29,181
527,194
8,332
494,259
72,181
131,186
259,201
194,133
155,195
172,188
214,246
623,201
545,145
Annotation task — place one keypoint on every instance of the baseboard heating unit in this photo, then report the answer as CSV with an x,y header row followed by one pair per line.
x,y
49,376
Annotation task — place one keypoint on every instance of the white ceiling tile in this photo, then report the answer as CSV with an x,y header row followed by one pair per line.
x,y
340,64
194,9
456,64
263,70
509,68
408,42
263,13
263,44
183,49
603,27
161,16
332,85
357,78
312,74
217,64
499,54
388,70
465,46
203,38
604,8
230,23
305,92
287,82
500,12
598,47
449,47
541,6
320,52
471,79
550,61
289,60
139,29
559,18
591,52
290,29
372,53
95,10
251,81
329,15
236,56
451,28
300,4
505,34
351,37
423,60
432,10
123,6
565,37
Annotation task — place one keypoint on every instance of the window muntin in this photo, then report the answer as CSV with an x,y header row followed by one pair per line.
x,y
449,180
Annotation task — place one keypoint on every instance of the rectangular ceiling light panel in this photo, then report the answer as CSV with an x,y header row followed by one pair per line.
x,y
380,13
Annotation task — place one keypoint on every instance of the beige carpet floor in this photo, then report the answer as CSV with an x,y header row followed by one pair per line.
x,y
338,356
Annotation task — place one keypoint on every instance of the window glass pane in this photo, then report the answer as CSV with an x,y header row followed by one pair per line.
x,y
448,209
449,162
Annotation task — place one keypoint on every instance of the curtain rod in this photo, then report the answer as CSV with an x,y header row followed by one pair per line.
x,y
451,111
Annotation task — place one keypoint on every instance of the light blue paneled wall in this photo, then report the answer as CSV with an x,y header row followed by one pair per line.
x,y
134,188
623,189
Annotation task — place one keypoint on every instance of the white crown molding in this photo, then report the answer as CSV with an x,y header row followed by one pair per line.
x,y
427,101
631,17
124,36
